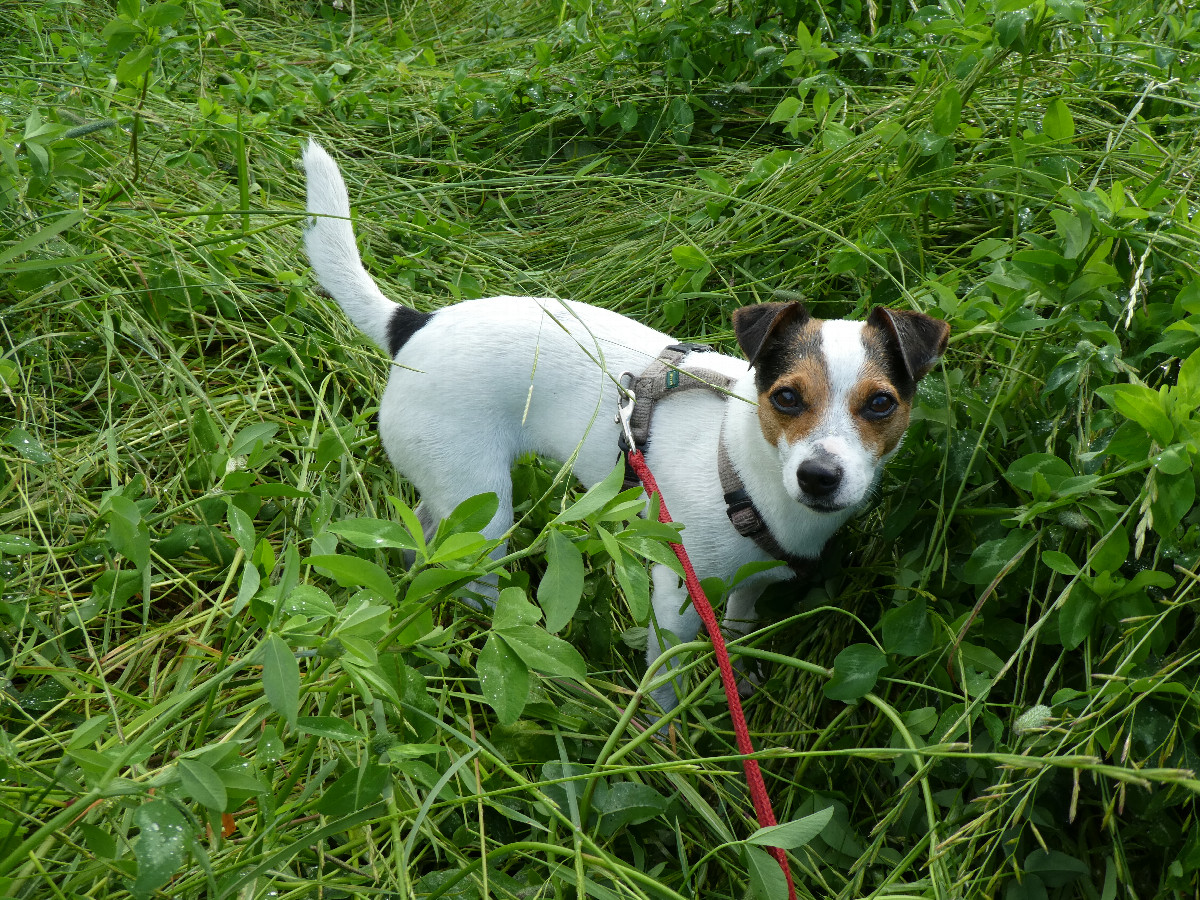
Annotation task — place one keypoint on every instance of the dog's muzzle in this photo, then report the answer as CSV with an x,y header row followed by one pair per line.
x,y
820,477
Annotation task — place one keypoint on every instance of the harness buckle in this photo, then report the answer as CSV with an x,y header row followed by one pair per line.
x,y
624,417
743,514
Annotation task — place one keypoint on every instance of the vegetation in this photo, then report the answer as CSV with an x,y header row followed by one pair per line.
x,y
221,680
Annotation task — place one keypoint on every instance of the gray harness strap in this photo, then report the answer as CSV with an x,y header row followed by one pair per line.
x,y
745,515
663,377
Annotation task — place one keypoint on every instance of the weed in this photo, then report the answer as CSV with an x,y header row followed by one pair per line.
x,y
221,677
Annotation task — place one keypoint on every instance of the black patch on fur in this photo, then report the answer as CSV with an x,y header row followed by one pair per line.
x,y
881,349
404,324
788,344
909,344
755,325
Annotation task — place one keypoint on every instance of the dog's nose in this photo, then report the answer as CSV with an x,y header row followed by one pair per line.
x,y
819,477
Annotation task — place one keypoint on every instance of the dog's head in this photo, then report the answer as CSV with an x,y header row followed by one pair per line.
x,y
834,396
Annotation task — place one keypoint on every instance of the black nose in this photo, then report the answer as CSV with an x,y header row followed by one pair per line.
x,y
819,477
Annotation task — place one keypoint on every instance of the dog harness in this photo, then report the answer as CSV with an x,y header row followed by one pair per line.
x,y
664,377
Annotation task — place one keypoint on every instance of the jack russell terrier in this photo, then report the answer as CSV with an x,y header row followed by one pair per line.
x,y
800,430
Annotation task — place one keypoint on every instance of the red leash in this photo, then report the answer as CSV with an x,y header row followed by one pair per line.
x,y
758,790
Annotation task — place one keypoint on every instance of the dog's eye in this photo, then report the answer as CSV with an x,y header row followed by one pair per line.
x,y
879,406
787,401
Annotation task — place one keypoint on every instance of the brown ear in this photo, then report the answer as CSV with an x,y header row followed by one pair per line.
x,y
754,325
917,339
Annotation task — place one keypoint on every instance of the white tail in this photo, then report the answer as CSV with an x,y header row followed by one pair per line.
x,y
333,254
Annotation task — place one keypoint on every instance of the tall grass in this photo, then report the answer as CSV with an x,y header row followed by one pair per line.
x,y
991,686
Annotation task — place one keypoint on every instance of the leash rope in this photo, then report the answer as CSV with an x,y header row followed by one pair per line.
x,y
754,779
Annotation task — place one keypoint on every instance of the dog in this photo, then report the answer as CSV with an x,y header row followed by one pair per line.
x,y
808,421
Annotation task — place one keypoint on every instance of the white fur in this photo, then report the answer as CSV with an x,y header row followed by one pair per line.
x,y
845,356
486,381
329,241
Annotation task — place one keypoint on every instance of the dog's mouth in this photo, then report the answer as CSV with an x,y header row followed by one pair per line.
x,y
822,506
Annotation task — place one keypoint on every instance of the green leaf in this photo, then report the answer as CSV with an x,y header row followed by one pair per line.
x,y
330,727
503,680
160,14
1175,460
792,835
307,600
350,571
597,497
855,671
715,181
631,575
947,112
1010,26
1073,229
472,515
126,531
689,257
991,557
767,881
788,107
562,586
1142,405
1076,617
411,523
355,790
281,678
626,803
1187,385
1176,494
135,64
371,534
1112,553
513,610
651,548
102,844
203,784
629,116
430,581
241,527
26,445
88,732
544,652
1057,122
362,619
1060,563
160,847
258,434
1054,470
17,545
463,545
907,630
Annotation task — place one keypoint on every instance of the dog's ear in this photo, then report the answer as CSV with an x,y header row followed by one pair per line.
x,y
754,325
917,340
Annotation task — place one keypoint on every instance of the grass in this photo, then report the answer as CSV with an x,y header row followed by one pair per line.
x,y
989,691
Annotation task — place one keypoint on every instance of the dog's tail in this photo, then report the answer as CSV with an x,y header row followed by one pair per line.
x,y
329,240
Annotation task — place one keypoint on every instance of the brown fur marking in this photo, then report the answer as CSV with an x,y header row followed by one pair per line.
x,y
800,366
806,375
880,436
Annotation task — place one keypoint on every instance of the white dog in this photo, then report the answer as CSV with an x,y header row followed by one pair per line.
x,y
801,432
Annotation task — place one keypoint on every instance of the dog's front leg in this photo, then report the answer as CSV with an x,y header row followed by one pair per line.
x,y
675,621
740,619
